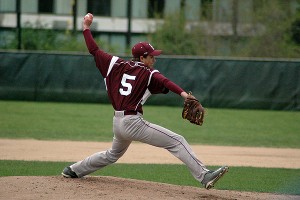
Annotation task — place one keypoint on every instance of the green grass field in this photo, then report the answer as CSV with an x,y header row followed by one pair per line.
x,y
93,122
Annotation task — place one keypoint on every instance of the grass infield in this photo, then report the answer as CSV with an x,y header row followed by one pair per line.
x,y
93,122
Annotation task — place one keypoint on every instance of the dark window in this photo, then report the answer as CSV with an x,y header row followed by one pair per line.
x,y
207,9
156,8
99,7
296,31
45,6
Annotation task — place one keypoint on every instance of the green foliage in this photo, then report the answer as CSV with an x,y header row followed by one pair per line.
x,y
42,39
39,37
239,178
172,36
272,23
70,42
93,122
295,31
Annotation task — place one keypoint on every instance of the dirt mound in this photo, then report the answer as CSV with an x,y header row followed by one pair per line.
x,y
57,187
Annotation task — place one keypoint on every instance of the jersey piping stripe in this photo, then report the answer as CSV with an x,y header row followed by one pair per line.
x,y
177,141
145,97
112,63
147,93
151,76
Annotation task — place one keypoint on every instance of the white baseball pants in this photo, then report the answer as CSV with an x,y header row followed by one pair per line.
x,y
128,128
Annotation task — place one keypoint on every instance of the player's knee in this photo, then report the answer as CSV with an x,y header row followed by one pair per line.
x,y
181,139
113,157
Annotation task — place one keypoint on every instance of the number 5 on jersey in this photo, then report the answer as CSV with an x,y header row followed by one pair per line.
x,y
126,87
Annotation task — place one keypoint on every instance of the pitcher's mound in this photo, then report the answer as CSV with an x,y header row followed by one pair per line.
x,y
100,187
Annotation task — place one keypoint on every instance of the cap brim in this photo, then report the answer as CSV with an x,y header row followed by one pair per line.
x,y
155,53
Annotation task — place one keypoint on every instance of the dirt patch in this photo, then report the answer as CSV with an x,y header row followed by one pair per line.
x,y
142,153
112,188
57,187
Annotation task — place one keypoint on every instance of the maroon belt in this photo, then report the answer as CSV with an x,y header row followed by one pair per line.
x,y
130,112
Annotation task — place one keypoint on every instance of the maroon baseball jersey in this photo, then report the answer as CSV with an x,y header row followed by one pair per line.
x,y
128,83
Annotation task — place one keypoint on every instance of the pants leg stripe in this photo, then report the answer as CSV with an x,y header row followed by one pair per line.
x,y
176,140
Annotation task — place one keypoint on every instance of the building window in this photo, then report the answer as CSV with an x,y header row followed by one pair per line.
x,y
99,7
45,6
207,10
156,8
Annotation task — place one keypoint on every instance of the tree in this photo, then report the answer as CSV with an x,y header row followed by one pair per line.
x,y
275,20
172,36
275,36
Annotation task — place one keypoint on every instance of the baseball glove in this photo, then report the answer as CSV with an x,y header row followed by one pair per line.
x,y
193,110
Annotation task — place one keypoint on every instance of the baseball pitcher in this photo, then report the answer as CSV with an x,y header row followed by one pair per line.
x,y
129,84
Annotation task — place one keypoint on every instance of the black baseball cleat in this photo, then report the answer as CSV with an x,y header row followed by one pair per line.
x,y
68,173
211,177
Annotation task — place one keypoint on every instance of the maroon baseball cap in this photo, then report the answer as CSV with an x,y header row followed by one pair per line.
x,y
144,49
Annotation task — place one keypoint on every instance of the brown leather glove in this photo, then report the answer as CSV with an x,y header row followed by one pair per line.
x,y
193,110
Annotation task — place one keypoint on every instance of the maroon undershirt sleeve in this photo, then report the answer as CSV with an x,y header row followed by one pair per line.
x,y
102,58
173,87
90,42
168,84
